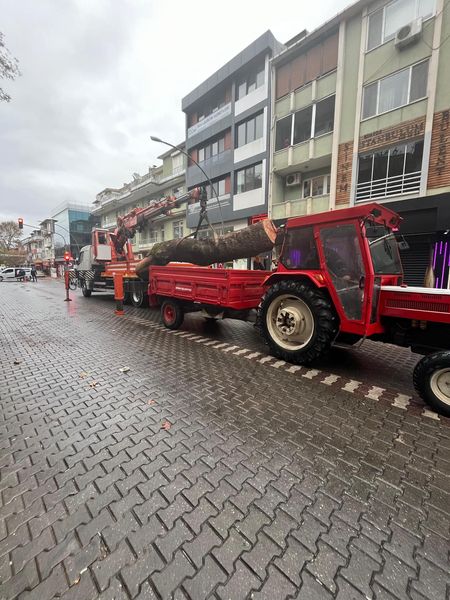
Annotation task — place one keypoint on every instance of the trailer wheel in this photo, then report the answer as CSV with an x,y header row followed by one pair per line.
x,y
172,314
84,289
297,321
432,381
138,298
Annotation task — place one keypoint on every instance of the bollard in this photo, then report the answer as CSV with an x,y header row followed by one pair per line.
x,y
66,282
118,293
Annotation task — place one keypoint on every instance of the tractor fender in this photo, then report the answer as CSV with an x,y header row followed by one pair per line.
x,y
317,280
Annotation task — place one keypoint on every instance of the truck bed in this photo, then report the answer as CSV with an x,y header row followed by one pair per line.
x,y
228,288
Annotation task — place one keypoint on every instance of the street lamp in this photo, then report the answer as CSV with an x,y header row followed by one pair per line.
x,y
155,138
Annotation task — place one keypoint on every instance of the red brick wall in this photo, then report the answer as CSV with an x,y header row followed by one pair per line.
x,y
344,174
439,167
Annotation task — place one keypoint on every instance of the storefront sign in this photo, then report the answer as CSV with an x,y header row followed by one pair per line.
x,y
386,137
209,120
441,161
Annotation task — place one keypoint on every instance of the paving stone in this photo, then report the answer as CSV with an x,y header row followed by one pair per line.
x,y
206,580
275,586
172,575
325,565
239,585
261,554
292,561
395,576
227,554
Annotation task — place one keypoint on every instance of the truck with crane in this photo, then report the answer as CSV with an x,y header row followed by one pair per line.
x,y
339,278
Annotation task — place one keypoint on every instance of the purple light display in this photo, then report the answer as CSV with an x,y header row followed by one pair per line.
x,y
441,264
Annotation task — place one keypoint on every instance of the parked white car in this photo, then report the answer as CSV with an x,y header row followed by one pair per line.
x,y
14,273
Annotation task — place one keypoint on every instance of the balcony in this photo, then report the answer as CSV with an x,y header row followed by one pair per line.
x,y
214,117
300,207
399,185
215,167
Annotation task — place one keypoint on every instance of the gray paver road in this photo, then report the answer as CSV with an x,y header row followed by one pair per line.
x,y
198,473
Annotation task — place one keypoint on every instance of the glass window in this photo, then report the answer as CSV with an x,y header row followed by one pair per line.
x,y
251,82
385,22
317,186
324,122
240,182
249,179
375,30
207,152
384,250
345,266
398,89
419,79
307,188
299,249
259,126
215,148
302,125
242,90
221,145
201,155
380,161
177,229
283,133
241,135
393,91
396,161
260,78
398,14
250,131
414,153
370,100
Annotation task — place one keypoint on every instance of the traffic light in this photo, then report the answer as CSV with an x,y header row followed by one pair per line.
x,y
20,220
67,256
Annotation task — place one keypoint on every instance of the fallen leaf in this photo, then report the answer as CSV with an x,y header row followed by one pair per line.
x,y
17,362
124,369
166,425
150,402
83,375
93,384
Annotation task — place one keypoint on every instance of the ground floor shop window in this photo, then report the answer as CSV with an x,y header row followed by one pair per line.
x,y
390,171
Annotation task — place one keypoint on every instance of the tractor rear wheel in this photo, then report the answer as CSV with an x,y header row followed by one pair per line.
x,y
172,314
297,321
432,381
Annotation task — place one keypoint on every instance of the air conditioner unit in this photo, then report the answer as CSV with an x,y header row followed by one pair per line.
x,y
293,179
408,34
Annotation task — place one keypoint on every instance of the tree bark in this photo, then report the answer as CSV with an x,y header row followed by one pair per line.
x,y
243,243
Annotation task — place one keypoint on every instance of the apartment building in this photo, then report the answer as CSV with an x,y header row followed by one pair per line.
x,y
362,113
227,134
72,226
167,179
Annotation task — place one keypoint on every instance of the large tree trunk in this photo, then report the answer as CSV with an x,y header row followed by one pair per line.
x,y
242,243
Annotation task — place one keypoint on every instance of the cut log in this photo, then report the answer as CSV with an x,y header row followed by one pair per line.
x,y
243,243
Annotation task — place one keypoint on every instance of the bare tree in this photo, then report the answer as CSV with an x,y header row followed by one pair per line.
x,y
9,68
10,235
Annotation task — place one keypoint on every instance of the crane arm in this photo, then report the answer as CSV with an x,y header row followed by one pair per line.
x,y
135,219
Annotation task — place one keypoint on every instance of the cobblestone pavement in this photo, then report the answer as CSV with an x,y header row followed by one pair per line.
x,y
197,473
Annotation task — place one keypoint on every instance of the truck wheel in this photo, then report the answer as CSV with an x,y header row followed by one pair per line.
x,y
432,381
84,289
172,314
138,298
297,321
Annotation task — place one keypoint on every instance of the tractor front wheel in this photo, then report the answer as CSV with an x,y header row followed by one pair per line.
x,y
172,314
432,381
297,321
84,289
138,298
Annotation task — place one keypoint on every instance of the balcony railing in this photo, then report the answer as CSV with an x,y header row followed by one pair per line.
x,y
408,183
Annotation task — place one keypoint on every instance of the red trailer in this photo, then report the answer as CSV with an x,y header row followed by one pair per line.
x,y
219,293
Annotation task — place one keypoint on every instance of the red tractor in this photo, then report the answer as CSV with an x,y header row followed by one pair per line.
x,y
340,278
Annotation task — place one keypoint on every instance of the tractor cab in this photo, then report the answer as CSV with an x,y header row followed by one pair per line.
x,y
104,247
349,254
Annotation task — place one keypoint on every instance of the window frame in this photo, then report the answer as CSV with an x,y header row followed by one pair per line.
x,y
179,225
245,124
244,171
383,24
326,184
251,77
312,136
209,146
378,82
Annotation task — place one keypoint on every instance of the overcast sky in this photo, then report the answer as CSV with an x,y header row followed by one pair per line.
x,y
100,76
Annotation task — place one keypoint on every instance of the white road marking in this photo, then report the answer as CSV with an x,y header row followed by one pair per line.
x,y
351,386
374,393
278,364
331,379
265,359
252,355
230,348
294,369
220,346
430,414
402,401
311,373
243,351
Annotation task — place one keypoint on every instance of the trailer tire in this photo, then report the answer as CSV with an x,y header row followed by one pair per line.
x,y
297,321
84,289
138,298
432,381
172,314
